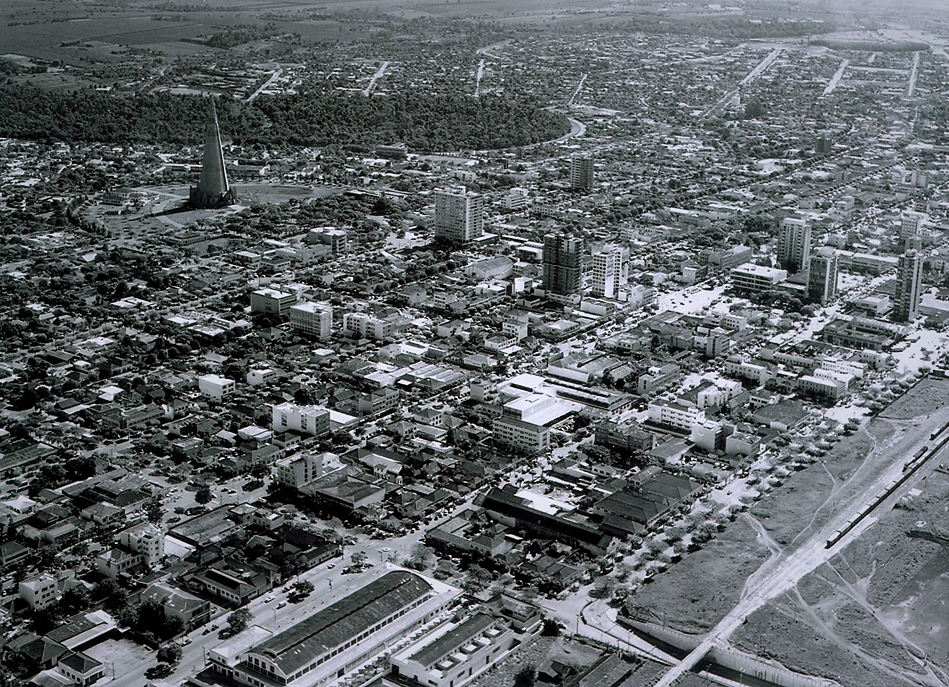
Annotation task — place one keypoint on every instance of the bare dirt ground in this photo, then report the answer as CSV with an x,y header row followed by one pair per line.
x,y
693,595
869,617
876,615
803,501
119,652
928,396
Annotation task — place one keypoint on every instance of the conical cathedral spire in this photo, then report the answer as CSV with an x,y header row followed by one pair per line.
x,y
212,190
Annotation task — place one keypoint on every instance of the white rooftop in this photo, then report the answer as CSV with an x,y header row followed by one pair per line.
x,y
761,271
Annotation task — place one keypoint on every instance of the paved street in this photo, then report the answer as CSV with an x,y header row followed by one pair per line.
x,y
329,585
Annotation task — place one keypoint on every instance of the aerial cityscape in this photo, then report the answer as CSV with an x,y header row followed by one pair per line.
x,y
469,344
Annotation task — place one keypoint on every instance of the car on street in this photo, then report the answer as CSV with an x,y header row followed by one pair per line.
x,y
159,671
269,598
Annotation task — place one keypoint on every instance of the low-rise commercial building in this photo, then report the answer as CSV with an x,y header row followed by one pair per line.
x,y
39,592
298,470
750,278
313,319
176,603
528,437
657,379
630,438
675,414
455,652
272,301
516,511
737,366
147,540
216,386
340,637
365,326
311,420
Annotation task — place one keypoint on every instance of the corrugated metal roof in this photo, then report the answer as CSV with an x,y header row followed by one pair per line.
x,y
335,625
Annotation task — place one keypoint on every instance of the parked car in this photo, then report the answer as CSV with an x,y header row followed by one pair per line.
x,y
159,671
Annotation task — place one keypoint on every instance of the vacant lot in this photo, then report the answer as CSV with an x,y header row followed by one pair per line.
x,y
877,613
772,632
694,594
120,652
928,396
804,501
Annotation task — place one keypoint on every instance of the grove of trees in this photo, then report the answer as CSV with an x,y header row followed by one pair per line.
x,y
425,121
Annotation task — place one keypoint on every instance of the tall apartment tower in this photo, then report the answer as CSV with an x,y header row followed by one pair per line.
x,y
212,190
563,267
459,215
910,223
824,145
909,280
822,279
794,245
610,271
581,172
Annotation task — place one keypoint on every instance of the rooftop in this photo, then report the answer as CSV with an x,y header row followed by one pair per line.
x,y
453,639
335,625
760,271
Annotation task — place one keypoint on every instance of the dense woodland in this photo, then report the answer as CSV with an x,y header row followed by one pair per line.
x,y
425,121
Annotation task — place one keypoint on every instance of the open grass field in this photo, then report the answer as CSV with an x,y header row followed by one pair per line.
x,y
90,34
694,594
878,614
930,395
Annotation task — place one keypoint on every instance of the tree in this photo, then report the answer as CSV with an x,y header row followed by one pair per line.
x,y
420,557
602,588
115,598
46,619
301,590
526,676
478,579
303,587
358,557
47,559
170,653
260,470
74,600
154,511
203,495
550,629
79,468
238,620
